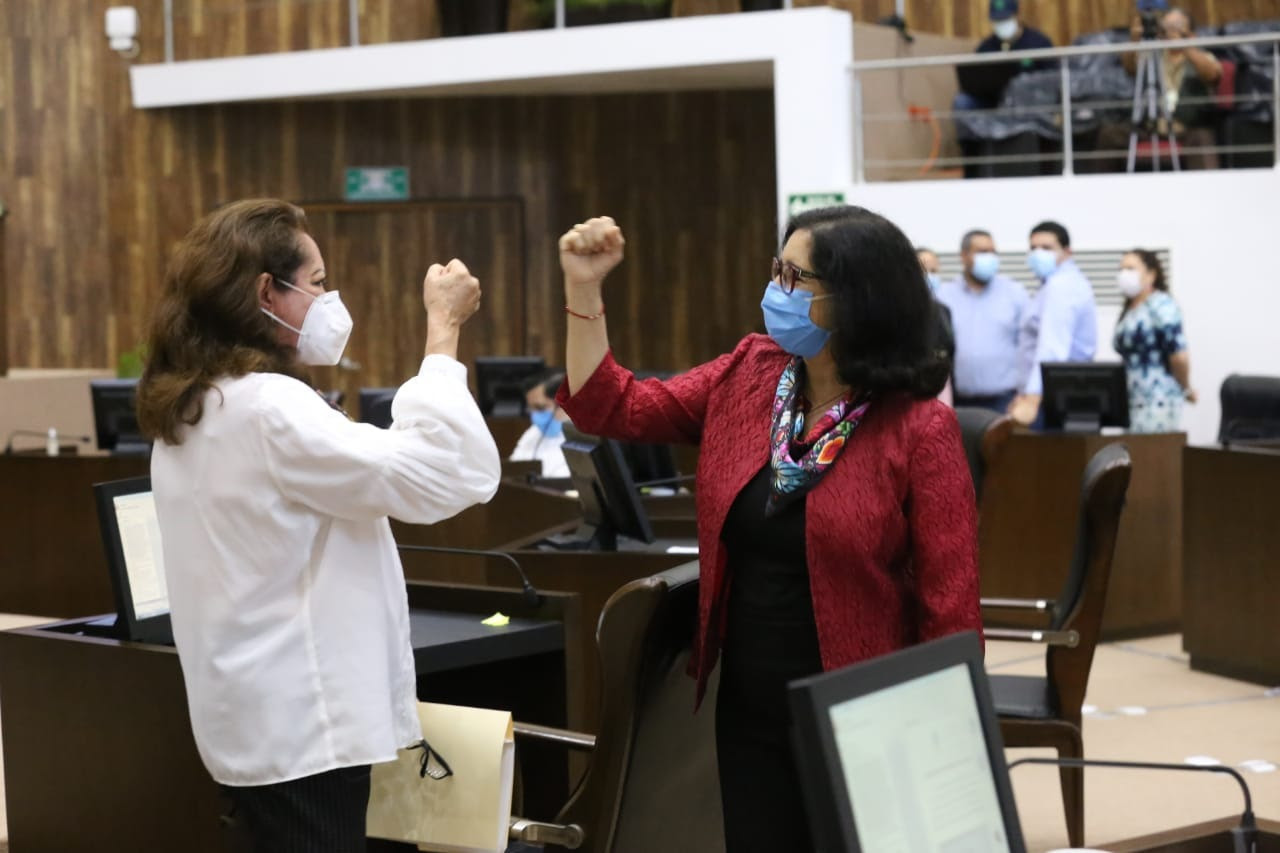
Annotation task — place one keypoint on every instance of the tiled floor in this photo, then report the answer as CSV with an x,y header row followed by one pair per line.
x,y
1186,714
1151,707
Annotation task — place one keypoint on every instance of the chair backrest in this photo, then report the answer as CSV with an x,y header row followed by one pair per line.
x,y
652,781
1080,604
1250,408
983,433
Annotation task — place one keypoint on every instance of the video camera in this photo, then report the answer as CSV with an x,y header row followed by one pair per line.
x,y
1149,12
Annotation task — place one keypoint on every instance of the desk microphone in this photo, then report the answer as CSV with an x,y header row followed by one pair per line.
x,y
1244,838
531,596
667,481
33,433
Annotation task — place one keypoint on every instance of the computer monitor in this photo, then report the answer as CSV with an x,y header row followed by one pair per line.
x,y
501,381
651,464
607,495
1084,396
115,416
903,752
375,406
135,559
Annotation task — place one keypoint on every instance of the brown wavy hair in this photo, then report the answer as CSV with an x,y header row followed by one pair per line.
x,y
1151,261
207,324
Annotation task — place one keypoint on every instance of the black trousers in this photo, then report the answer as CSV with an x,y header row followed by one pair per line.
x,y
324,813
760,792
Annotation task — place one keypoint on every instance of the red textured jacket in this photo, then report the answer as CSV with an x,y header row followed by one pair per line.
x,y
890,530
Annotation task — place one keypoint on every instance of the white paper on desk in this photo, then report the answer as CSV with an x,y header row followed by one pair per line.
x,y
468,812
682,549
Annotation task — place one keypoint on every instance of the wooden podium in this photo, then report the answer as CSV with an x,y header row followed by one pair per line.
x,y
1231,537
1028,526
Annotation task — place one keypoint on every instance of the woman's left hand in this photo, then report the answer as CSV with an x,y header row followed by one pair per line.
x,y
1191,396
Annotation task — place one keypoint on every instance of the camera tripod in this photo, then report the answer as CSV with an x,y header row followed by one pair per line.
x,y
1151,113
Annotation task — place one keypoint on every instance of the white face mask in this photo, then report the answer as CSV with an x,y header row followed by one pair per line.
x,y
1005,30
1129,282
324,331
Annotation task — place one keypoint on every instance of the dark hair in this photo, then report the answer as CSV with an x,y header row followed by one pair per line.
x,y
966,242
550,381
884,338
1151,261
208,324
1051,227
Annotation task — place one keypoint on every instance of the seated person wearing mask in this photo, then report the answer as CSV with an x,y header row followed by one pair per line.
x,y
986,312
982,86
1190,77
545,435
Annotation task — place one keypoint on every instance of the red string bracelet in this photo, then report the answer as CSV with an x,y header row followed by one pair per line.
x,y
573,313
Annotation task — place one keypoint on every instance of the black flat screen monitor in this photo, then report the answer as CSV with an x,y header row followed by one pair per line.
x,y
375,406
135,559
115,416
501,381
903,752
607,495
1084,396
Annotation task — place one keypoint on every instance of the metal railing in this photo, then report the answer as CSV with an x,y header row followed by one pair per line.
x,y
1063,55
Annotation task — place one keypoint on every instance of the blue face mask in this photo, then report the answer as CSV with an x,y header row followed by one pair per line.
x,y
787,319
1042,262
545,420
985,266
934,280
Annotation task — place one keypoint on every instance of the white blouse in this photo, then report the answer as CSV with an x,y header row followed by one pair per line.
x,y
286,592
545,449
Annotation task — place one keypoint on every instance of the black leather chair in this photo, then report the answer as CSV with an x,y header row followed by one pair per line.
x,y
983,433
651,783
1250,408
1044,710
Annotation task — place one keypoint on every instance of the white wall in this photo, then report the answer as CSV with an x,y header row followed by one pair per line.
x,y
1222,229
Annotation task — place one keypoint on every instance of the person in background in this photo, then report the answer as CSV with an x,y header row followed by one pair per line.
x,y
1061,323
981,87
836,516
931,266
1149,337
545,436
986,315
1191,76
946,339
286,592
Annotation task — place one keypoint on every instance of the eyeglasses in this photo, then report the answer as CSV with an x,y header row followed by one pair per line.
x,y
433,764
786,274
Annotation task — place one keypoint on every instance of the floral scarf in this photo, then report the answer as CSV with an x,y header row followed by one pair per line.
x,y
800,458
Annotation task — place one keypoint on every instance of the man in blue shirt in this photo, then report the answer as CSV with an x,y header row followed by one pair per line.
x,y
1061,324
986,315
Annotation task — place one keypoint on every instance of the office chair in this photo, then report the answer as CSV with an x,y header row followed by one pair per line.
x,y
1045,711
983,433
651,783
1250,408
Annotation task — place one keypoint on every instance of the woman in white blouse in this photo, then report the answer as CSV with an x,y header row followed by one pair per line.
x,y
286,592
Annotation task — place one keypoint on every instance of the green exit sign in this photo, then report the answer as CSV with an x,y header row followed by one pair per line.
x,y
377,183
800,202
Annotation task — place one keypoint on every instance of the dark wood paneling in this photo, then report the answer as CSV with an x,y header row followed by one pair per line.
x,y
1230,539
99,192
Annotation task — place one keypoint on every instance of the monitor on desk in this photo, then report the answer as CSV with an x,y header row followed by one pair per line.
x,y
375,406
115,416
1084,396
131,539
903,752
608,496
501,383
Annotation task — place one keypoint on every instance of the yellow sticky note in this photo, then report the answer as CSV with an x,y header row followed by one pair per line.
x,y
497,620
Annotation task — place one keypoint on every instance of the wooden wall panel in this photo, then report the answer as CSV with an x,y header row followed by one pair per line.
x,y
98,192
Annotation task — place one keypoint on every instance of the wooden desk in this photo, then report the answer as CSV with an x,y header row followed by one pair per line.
x,y
54,562
99,755
1029,515
592,575
1231,560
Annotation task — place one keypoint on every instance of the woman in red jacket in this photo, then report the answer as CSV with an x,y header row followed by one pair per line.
x,y
836,517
